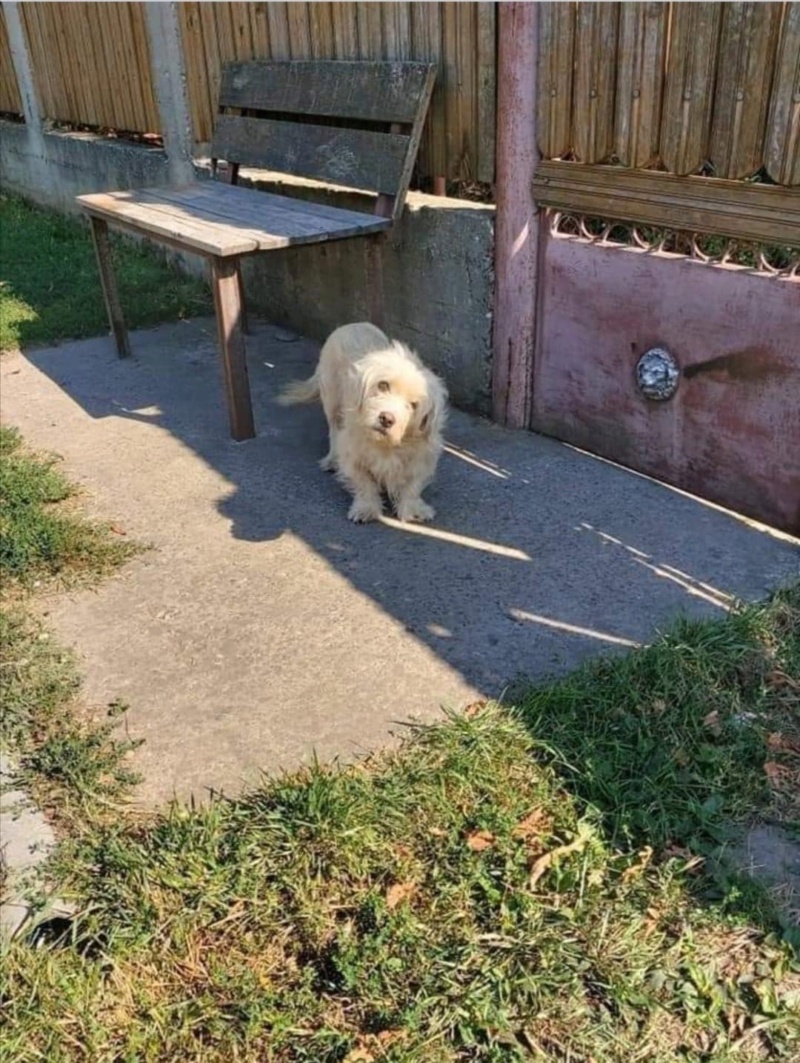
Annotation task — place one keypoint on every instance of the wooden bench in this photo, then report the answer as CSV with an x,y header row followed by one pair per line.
x,y
356,124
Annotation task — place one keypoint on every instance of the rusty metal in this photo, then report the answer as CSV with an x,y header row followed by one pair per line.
x,y
783,261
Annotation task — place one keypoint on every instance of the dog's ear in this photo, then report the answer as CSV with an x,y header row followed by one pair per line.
x,y
433,416
358,383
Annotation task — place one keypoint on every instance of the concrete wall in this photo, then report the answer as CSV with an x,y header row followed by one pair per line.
x,y
437,279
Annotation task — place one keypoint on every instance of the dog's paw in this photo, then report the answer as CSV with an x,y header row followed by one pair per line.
x,y
415,512
327,464
363,511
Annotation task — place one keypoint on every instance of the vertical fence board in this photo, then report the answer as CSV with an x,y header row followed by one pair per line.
x,y
556,51
278,23
486,67
452,101
426,35
10,99
593,94
321,30
370,30
782,148
640,82
299,31
744,79
259,30
397,30
689,88
200,103
345,30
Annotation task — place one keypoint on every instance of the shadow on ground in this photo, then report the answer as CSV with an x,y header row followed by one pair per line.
x,y
540,556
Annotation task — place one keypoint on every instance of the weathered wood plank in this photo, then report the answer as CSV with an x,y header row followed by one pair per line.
x,y
426,36
10,99
278,23
321,30
356,158
145,214
593,92
299,31
782,142
689,88
345,30
200,103
554,95
486,68
759,212
259,30
370,30
225,285
744,79
108,280
366,91
640,82
397,30
266,212
222,220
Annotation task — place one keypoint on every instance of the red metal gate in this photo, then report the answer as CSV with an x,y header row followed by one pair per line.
x,y
576,314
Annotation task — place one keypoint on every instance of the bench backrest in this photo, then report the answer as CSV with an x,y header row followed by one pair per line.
x,y
356,124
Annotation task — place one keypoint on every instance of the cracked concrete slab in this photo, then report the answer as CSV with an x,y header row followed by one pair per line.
x,y
263,627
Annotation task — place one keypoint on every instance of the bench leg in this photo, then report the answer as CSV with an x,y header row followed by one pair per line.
x,y
373,268
242,300
225,282
109,282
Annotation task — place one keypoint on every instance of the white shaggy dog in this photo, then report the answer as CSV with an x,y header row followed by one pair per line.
x,y
385,414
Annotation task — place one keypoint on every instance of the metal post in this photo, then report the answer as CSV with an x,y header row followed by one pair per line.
x,y
517,221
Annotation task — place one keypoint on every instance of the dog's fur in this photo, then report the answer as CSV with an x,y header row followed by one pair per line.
x,y
385,413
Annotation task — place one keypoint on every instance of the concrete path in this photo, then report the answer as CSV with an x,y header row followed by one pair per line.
x,y
264,626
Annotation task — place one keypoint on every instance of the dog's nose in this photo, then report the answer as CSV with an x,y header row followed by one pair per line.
x,y
386,420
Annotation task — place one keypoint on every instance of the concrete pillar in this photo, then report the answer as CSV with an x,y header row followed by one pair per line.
x,y
20,57
169,80
517,221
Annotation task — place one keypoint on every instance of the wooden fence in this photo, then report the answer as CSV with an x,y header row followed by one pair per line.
x,y
639,104
459,138
10,102
92,66
681,86
646,86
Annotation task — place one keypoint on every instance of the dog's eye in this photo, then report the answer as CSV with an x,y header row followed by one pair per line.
x,y
384,385
414,405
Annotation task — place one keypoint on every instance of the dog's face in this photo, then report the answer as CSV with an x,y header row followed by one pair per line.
x,y
398,399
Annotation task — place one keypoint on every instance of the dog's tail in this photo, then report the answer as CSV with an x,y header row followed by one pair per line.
x,y
300,391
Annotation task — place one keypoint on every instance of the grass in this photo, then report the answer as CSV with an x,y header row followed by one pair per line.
x,y
73,764
41,534
450,902
545,881
671,743
50,288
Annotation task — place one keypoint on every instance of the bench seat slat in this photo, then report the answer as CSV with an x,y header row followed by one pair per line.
x,y
237,201
216,219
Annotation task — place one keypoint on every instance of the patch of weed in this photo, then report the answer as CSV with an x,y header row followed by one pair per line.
x,y
50,289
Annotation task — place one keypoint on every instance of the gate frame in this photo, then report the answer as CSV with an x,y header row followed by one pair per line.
x,y
517,218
